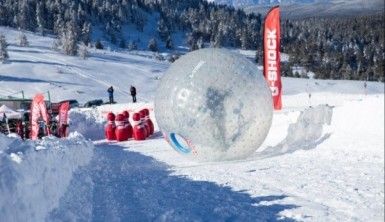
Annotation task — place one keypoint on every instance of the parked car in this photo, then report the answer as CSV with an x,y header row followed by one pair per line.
x,y
92,103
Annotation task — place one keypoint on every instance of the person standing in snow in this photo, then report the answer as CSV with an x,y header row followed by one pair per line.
x,y
133,94
111,94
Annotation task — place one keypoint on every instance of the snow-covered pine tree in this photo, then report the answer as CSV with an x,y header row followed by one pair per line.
x,y
3,49
153,45
23,41
68,39
163,30
200,43
83,51
99,45
85,33
25,16
169,44
132,45
40,18
122,44
192,41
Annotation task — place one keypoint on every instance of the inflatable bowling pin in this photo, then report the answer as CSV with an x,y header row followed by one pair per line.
x,y
144,122
127,123
149,122
121,130
139,129
110,127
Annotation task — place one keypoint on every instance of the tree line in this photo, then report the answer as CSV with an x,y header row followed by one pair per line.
x,y
72,21
333,48
336,48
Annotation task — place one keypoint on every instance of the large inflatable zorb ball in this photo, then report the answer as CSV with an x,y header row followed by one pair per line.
x,y
214,105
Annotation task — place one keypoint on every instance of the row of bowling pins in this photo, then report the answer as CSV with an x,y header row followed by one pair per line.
x,y
119,128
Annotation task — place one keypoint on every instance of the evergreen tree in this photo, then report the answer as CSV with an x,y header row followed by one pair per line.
x,y
85,35
83,51
163,30
132,46
200,43
40,18
99,45
122,44
152,45
3,49
23,41
68,40
169,44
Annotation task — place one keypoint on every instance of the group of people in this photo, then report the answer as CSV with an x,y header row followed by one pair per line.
x,y
119,127
111,94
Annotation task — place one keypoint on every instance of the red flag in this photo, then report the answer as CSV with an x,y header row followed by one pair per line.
x,y
45,116
63,119
38,109
271,55
35,115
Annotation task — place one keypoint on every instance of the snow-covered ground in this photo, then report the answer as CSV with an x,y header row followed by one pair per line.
x,y
324,163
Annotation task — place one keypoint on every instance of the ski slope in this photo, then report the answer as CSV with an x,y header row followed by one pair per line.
x,y
38,68
324,163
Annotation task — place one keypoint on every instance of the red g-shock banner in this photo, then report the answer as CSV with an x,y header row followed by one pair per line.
x,y
271,55
38,111
63,119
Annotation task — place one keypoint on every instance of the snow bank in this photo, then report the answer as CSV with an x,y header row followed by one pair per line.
x,y
306,133
88,122
35,175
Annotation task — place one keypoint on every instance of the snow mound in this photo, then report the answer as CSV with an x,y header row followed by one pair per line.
x,y
88,122
306,133
34,175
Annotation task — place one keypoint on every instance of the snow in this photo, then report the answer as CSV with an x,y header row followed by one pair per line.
x,y
87,122
40,69
33,180
318,163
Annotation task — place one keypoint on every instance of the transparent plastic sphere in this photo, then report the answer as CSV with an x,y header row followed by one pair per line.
x,y
214,105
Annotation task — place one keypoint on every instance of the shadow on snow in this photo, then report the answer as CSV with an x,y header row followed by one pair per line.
x,y
31,80
127,186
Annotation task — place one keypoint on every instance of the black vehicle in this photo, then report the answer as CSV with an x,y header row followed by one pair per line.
x,y
93,103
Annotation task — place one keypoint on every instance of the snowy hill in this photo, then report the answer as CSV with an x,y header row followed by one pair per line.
x,y
39,68
324,163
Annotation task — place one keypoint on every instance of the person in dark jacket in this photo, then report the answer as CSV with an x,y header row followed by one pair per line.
x,y
133,94
111,94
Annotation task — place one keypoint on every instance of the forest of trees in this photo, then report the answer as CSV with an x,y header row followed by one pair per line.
x,y
335,48
72,20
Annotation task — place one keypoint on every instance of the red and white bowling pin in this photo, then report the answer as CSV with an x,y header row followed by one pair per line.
x,y
121,130
148,120
144,122
110,127
128,124
139,129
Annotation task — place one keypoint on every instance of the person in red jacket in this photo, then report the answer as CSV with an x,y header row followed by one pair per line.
x,y
139,128
110,127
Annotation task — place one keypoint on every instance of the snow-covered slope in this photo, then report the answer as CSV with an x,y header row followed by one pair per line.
x,y
324,163
38,68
